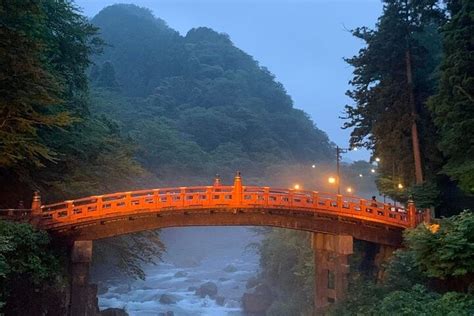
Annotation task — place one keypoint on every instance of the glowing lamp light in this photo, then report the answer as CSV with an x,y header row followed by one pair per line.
x,y
372,170
332,180
361,175
377,159
313,166
296,186
434,228
349,190
354,148
400,186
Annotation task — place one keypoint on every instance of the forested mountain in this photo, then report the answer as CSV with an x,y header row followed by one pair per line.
x,y
195,105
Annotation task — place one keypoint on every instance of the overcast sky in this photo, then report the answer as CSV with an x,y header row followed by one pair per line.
x,y
302,42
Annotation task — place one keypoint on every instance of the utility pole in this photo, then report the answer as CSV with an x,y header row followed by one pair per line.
x,y
338,168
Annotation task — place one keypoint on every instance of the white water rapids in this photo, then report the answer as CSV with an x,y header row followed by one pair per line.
x,y
194,256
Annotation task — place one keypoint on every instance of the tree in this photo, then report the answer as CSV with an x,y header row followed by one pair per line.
x,y
31,93
30,272
453,105
389,116
445,249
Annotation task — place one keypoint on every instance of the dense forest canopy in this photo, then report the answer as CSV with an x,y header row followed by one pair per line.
x,y
196,104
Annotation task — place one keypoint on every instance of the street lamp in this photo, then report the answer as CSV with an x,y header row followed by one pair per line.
x,y
400,186
313,166
296,186
377,159
332,180
349,190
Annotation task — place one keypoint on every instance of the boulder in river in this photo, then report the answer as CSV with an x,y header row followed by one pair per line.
x,y
180,274
167,299
207,289
220,300
113,312
230,268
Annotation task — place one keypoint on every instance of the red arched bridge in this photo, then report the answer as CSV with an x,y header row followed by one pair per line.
x,y
114,214
335,221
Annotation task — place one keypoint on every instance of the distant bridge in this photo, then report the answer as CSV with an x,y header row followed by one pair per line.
x,y
334,219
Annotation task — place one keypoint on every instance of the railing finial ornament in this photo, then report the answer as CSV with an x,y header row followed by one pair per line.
x,y
217,180
36,203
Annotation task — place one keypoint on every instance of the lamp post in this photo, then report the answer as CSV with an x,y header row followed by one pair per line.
x,y
339,151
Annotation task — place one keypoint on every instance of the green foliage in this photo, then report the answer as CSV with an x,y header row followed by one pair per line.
x,y
419,301
30,91
447,252
197,104
48,138
129,253
453,105
287,263
382,116
429,255
29,271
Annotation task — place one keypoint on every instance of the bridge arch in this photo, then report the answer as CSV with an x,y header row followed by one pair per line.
x,y
103,216
334,219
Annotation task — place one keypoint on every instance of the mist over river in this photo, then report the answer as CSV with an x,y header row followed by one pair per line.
x,y
194,256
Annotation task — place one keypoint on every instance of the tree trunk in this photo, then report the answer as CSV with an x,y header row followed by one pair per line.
x,y
414,128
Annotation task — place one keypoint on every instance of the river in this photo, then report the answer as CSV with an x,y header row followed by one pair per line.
x,y
194,256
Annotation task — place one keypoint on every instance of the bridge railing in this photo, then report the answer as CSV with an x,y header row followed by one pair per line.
x,y
225,198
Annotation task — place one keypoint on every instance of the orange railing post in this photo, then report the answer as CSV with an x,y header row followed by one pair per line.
x,y
36,204
237,190
266,196
412,213
339,202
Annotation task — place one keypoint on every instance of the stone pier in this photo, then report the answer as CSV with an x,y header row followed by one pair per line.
x,y
83,295
331,254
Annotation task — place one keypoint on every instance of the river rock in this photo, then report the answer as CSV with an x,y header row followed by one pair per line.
x,y
167,299
113,312
180,274
207,289
220,300
230,268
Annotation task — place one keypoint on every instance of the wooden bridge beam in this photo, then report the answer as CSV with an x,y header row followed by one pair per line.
x,y
331,254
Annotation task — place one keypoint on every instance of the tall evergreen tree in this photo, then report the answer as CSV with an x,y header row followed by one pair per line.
x,y
389,116
453,105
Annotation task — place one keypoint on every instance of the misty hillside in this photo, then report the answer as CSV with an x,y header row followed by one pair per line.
x,y
206,105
